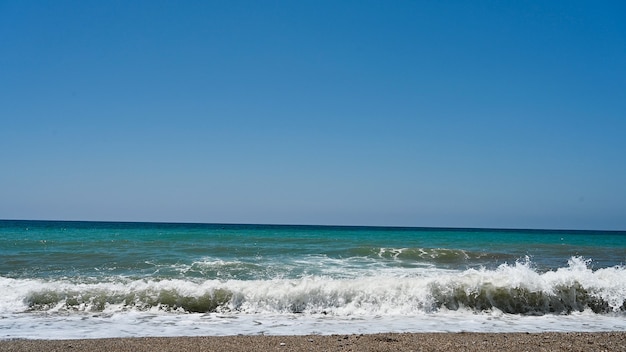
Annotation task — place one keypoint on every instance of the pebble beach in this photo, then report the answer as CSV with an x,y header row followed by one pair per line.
x,y
571,341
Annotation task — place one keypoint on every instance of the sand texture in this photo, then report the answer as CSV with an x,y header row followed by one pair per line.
x,y
612,341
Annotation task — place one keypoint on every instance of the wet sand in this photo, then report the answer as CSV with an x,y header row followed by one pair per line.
x,y
611,341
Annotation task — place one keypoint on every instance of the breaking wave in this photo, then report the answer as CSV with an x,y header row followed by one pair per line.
x,y
510,288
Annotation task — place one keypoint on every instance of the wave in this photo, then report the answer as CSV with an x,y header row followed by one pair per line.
x,y
516,289
437,256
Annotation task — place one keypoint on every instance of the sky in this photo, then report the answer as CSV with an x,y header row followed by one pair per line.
x,y
506,114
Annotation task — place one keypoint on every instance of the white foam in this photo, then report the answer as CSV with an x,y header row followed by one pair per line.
x,y
398,300
134,324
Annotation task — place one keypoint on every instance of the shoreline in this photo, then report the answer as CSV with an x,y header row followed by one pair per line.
x,y
463,341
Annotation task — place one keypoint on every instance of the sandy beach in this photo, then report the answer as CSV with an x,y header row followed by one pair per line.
x,y
611,341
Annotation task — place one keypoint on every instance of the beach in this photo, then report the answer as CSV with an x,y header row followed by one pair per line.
x,y
571,341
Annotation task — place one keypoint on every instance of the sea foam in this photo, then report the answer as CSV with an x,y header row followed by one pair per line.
x,y
511,297
516,289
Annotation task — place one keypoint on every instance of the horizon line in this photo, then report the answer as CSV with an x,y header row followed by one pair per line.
x,y
451,228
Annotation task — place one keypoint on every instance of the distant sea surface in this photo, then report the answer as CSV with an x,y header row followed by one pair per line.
x,y
105,279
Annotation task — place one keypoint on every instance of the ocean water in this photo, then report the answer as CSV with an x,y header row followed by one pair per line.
x,y
97,279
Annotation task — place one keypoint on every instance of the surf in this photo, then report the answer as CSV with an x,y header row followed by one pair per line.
x,y
517,288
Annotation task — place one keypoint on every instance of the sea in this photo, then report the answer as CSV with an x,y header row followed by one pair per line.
x,y
62,280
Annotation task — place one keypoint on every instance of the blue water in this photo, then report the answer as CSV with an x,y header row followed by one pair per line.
x,y
85,275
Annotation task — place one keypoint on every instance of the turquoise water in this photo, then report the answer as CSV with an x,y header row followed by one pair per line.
x,y
62,269
96,250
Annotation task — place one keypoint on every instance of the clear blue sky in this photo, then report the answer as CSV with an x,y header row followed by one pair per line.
x,y
407,113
